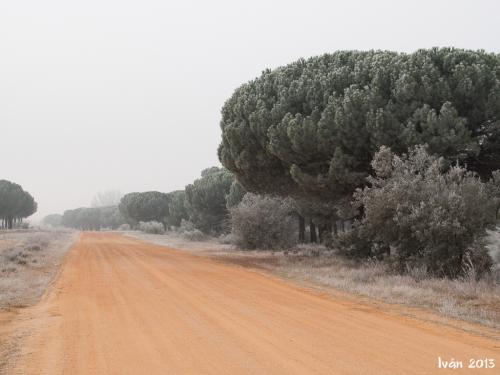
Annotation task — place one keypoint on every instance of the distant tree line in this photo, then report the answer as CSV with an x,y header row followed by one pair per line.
x,y
89,218
15,204
204,204
103,214
52,220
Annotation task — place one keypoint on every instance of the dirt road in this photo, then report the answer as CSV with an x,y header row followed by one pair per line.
x,y
121,306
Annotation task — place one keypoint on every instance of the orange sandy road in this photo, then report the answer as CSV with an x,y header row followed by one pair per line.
x,y
121,306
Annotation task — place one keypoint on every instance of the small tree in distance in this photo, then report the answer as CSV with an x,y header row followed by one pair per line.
x,y
15,204
146,206
53,220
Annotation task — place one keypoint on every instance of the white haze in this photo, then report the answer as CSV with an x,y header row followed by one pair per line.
x,y
108,94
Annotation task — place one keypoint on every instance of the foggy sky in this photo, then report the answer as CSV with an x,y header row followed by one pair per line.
x,y
126,95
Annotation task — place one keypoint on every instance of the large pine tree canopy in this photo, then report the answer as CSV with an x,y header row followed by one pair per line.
x,y
312,127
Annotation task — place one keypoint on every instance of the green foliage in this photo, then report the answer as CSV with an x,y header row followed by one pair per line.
x,y
53,220
263,222
106,198
91,218
110,217
210,170
206,199
235,195
147,206
177,208
423,215
82,218
15,203
311,128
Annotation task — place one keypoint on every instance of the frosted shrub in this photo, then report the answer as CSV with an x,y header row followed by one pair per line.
x,y
186,226
188,231
262,222
225,239
423,215
152,227
193,235
124,227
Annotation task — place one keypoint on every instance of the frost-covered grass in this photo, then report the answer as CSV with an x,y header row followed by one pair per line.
x,y
28,261
466,299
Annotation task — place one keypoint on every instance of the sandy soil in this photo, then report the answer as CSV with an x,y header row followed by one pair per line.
x,y
121,306
454,302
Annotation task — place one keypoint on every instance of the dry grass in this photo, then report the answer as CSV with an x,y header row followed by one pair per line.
x,y
29,259
467,299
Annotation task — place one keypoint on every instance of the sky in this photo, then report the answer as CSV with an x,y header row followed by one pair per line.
x,y
117,94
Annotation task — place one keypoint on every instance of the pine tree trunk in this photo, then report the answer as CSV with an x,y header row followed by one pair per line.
x,y
312,232
302,229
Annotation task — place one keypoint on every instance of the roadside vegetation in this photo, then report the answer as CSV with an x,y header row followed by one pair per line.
x,y
29,259
389,157
383,165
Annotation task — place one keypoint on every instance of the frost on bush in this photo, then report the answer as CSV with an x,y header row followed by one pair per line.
x,y
188,231
422,215
186,226
193,235
225,239
152,227
263,222
24,252
124,227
